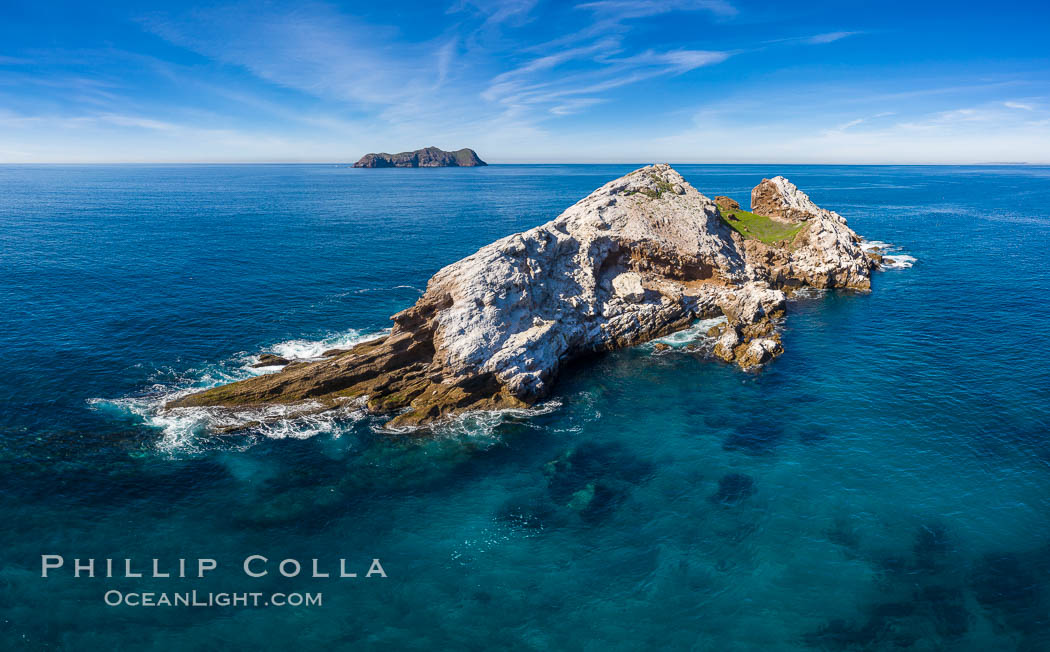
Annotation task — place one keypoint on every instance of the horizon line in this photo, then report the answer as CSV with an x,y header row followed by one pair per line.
x,y
350,164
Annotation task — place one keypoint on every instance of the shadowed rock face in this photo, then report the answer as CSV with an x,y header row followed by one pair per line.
x,y
639,258
428,157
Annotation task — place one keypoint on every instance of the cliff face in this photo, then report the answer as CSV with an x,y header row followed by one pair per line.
x,y
641,257
428,157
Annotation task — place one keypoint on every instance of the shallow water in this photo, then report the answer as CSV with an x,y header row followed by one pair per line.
x,y
882,485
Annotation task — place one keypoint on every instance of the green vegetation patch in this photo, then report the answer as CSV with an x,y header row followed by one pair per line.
x,y
759,227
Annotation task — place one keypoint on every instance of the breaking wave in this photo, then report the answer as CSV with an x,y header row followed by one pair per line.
x,y
187,430
874,245
195,429
302,349
889,260
683,338
898,261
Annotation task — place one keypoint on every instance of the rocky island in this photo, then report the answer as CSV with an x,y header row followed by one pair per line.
x,y
428,157
639,258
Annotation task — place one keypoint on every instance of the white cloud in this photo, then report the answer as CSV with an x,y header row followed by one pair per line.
x,y
513,80
856,122
575,105
137,122
625,9
391,84
680,60
605,71
829,37
313,82
717,140
496,11
313,49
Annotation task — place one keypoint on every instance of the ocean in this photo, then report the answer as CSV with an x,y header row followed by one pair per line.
x,y
885,484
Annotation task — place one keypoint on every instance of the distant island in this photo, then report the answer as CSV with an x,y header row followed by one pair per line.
x,y
428,157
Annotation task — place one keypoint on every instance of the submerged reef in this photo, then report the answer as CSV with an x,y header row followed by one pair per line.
x,y
641,257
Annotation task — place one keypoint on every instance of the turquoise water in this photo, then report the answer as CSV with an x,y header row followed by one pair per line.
x,y
882,485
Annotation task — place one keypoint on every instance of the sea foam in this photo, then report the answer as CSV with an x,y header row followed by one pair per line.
x,y
898,261
889,260
303,349
186,430
696,332
191,430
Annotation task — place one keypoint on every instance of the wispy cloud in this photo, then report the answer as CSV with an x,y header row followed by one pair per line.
x,y
312,68
857,122
49,138
598,59
605,72
138,122
497,11
679,60
314,49
570,107
961,135
985,119
12,119
828,37
516,79
816,39
625,9
615,18
509,79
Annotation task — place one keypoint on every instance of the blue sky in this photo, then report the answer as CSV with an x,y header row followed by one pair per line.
x,y
526,81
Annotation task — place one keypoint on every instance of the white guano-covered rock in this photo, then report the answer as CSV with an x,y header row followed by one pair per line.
x,y
523,305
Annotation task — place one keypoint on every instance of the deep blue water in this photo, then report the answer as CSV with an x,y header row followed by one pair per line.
x,y
885,484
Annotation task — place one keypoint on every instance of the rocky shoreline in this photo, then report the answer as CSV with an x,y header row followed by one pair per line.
x,y
642,257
